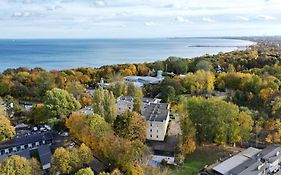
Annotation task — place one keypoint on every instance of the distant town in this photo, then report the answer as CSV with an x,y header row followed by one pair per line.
x,y
209,115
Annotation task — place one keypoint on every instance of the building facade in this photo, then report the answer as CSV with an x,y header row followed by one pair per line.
x,y
157,117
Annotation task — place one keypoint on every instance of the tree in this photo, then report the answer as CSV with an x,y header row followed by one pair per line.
x,y
15,165
137,93
61,162
35,167
168,93
131,125
89,129
85,171
105,104
59,103
188,136
70,160
43,82
199,82
204,65
6,129
119,89
216,120
38,114
75,88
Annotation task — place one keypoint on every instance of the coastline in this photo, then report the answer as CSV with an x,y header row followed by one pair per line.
x,y
141,52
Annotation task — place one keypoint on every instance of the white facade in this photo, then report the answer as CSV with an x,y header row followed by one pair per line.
x,y
156,130
157,118
124,103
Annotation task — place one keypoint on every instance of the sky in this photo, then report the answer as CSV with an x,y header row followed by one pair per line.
x,y
138,18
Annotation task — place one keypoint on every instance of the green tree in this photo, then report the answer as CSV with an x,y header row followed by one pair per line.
x,y
105,104
75,88
216,120
15,165
85,171
119,89
204,65
137,93
6,129
43,82
59,103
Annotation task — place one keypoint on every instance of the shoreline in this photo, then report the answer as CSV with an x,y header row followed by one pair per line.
x,y
149,60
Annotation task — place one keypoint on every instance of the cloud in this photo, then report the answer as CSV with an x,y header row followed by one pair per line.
x,y
266,17
182,19
208,19
242,18
150,23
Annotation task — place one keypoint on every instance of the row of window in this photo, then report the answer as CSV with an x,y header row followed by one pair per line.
x,y
156,136
156,130
23,147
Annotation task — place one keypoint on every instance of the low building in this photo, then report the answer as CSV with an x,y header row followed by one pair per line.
x,y
22,146
251,161
164,150
124,103
140,81
157,117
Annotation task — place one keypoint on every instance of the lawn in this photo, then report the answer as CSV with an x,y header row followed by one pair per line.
x,y
202,156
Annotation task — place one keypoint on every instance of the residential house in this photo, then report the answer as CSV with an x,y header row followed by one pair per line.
x,y
157,117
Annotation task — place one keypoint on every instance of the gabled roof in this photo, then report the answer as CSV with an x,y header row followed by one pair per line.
x,y
23,140
236,160
45,154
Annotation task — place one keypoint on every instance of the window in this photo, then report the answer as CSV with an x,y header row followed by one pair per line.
x,y
150,136
157,130
150,130
150,124
157,136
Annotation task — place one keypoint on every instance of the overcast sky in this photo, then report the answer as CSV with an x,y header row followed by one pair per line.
x,y
138,18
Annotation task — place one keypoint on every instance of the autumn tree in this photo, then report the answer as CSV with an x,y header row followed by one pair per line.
x,y
131,125
85,171
35,167
67,161
59,103
15,165
104,104
199,82
7,131
89,129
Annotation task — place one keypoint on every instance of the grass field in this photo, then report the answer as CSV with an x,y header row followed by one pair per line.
x,y
202,156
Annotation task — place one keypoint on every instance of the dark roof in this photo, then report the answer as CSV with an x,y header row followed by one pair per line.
x,y
98,166
271,154
169,145
25,153
23,140
156,112
45,154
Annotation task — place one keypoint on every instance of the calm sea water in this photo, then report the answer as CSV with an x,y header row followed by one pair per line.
x,y
63,54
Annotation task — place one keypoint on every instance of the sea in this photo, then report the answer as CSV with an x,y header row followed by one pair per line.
x,y
58,54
